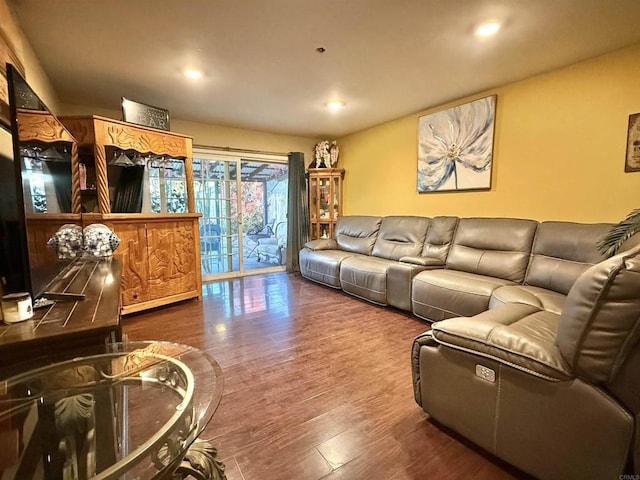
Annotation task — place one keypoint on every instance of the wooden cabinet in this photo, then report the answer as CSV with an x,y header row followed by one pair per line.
x,y
103,135
325,200
160,252
160,256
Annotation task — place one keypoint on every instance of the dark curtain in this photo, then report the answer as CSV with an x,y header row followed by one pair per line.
x,y
297,211
61,175
128,194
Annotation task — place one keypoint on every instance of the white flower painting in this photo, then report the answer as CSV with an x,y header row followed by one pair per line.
x,y
455,147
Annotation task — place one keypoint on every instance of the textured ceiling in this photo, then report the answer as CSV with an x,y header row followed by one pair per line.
x,y
384,58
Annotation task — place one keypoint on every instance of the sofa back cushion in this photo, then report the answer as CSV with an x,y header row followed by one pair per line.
x,y
401,236
439,237
600,323
497,247
561,252
357,233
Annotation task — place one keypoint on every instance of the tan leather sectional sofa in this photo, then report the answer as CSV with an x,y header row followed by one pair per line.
x,y
534,353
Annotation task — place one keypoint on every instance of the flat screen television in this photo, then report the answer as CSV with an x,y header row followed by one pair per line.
x,y
37,179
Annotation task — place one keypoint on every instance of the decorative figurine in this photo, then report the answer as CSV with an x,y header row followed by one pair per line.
x,y
334,151
326,154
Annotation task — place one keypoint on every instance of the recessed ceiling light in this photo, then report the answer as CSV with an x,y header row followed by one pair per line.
x,y
335,105
488,29
190,73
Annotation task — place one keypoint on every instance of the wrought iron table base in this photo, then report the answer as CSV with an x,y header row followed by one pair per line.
x,y
201,462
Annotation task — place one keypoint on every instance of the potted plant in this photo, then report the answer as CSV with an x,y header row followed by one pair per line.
x,y
620,233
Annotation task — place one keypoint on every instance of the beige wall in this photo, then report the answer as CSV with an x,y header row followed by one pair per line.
x,y
220,136
34,73
559,151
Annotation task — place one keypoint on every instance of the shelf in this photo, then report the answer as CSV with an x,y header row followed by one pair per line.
x,y
325,200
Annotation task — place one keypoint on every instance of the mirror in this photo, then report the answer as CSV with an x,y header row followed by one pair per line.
x,y
44,157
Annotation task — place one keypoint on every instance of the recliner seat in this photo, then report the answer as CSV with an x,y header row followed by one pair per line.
x,y
366,277
550,393
320,260
487,253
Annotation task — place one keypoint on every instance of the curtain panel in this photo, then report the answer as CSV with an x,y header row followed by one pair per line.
x,y
128,194
297,212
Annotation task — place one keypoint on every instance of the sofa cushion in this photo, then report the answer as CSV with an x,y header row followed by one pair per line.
x,y
322,266
561,252
538,297
357,233
496,247
440,294
600,323
400,237
439,237
322,244
365,277
518,335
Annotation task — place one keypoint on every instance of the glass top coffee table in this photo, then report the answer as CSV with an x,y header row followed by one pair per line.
x,y
123,410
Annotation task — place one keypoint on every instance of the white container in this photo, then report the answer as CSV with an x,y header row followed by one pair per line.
x,y
16,307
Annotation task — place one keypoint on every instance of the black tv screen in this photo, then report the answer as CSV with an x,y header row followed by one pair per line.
x,y
35,191
14,265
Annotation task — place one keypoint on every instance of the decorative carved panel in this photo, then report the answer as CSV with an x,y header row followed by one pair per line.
x,y
81,128
41,126
133,256
159,256
172,258
131,138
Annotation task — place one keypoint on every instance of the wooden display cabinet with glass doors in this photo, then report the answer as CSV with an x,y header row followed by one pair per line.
x,y
151,209
325,200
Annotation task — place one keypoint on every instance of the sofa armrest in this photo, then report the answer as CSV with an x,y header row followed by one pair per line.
x,y
521,336
423,261
424,340
322,244
399,278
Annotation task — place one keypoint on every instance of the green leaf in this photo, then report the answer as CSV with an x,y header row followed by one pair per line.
x,y
620,233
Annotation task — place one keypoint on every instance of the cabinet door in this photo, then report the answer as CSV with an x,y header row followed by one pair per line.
x,y
336,199
133,255
313,198
172,258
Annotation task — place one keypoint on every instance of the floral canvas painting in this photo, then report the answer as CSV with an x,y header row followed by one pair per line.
x,y
455,147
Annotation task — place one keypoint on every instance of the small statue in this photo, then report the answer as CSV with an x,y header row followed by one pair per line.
x,y
334,151
326,154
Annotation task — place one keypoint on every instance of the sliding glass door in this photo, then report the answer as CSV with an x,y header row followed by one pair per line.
x,y
243,200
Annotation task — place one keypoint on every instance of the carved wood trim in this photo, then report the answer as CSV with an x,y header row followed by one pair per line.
x,y
131,138
81,129
41,126
76,202
104,205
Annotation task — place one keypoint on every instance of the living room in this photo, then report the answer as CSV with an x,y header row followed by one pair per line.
x,y
317,383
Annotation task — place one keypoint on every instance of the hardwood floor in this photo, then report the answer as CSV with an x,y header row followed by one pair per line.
x,y
317,384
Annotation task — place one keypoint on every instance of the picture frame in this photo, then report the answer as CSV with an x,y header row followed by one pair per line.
x,y
455,147
146,115
7,55
632,159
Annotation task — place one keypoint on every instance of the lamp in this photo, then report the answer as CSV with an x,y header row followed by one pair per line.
x,y
121,160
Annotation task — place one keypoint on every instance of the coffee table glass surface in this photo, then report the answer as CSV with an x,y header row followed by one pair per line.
x,y
123,410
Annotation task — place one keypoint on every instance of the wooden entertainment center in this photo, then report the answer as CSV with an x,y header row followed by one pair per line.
x,y
160,253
